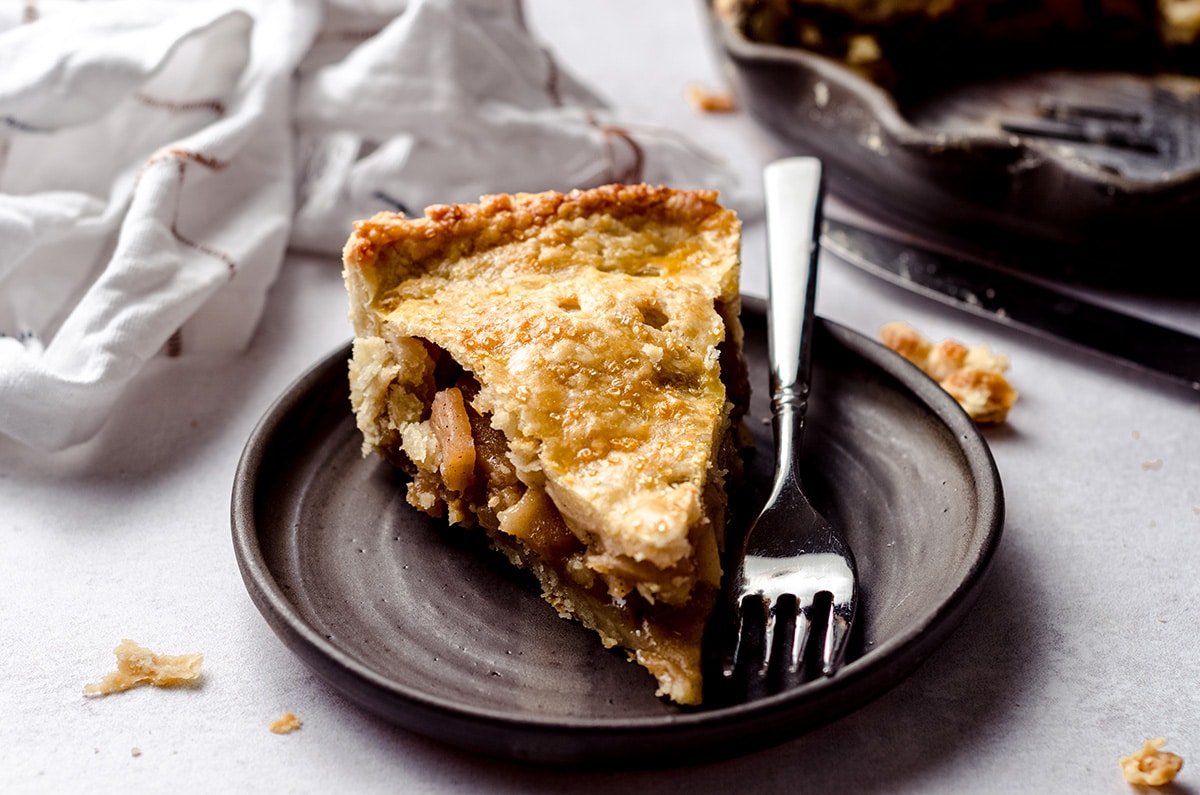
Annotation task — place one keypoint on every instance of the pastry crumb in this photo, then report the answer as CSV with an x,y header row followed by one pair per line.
x,y
286,725
135,751
137,665
1150,766
1153,466
708,100
974,376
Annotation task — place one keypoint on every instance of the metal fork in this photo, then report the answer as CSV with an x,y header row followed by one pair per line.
x,y
795,590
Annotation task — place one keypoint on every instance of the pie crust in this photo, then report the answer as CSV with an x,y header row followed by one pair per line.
x,y
973,376
565,371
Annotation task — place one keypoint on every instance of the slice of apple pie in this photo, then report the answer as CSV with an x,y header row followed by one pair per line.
x,y
565,371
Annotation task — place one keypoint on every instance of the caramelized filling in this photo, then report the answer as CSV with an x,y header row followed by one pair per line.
x,y
475,481
448,418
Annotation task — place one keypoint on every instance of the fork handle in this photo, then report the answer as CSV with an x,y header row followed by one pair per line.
x,y
794,190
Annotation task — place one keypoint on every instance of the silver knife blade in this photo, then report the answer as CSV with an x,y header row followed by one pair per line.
x,y
1014,301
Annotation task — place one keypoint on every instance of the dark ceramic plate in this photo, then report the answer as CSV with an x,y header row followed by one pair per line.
x,y
989,168
425,626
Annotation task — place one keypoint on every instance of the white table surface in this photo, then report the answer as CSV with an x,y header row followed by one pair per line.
x,y
1083,643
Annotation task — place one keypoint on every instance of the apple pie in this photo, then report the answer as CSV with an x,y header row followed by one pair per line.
x,y
565,372
913,47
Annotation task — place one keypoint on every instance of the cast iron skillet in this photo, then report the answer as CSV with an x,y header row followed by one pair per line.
x,y
949,168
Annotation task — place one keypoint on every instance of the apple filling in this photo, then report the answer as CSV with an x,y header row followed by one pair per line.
x,y
461,469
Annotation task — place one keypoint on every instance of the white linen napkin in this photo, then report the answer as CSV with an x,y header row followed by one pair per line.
x,y
158,158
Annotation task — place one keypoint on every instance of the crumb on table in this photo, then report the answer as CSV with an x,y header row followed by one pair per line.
x,y
973,376
286,725
1151,766
709,100
137,665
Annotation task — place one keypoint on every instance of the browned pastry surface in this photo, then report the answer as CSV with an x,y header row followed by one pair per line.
x,y
974,376
565,370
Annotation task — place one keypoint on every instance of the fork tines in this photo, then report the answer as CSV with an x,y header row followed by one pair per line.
x,y
784,644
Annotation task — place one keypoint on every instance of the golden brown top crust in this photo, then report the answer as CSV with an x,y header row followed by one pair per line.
x,y
499,218
590,321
